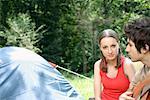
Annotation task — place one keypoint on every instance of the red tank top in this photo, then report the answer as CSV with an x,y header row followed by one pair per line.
x,y
114,87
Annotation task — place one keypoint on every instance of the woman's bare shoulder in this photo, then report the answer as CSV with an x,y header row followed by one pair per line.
x,y
129,68
128,61
97,63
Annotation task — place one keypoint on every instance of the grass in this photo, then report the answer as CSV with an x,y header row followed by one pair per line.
x,y
84,86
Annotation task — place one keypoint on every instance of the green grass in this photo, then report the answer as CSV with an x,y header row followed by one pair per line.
x,y
83,86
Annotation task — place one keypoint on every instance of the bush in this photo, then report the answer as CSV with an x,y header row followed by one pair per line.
x,y
22,32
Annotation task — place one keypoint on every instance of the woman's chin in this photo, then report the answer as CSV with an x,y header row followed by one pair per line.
x,y
111,58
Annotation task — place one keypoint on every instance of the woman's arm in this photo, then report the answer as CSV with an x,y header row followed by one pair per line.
x,y
130,73
97,81
129,69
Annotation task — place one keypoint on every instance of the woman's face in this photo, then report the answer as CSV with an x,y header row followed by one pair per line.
x,y
109,47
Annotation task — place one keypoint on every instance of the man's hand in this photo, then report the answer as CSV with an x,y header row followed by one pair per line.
x,y
126,96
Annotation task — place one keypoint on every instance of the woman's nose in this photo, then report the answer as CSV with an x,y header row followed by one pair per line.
x,y
109,50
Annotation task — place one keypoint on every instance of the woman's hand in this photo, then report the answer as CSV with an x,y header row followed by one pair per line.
x,y
126,96
98,98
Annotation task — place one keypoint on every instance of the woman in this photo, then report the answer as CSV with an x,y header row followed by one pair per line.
x,y
112,73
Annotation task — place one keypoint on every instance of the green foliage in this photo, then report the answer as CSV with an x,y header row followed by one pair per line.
x,y
22,32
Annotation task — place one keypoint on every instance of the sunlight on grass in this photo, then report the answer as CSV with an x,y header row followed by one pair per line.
x,y
83,86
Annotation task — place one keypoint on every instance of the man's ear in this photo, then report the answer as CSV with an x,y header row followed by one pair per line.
x,y
146,49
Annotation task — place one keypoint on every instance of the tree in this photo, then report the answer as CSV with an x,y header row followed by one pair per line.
x,y
22,32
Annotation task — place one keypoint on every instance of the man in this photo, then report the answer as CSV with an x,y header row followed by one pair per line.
x,y
138,48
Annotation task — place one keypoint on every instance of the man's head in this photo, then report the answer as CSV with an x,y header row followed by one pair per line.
x,y
138,33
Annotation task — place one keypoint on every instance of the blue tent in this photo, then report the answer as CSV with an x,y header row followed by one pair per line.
x,y
24,75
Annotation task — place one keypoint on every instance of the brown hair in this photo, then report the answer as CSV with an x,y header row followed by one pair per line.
x,y
139,32
113,34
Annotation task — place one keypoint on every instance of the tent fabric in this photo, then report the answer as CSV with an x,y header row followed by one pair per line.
x,y
24,75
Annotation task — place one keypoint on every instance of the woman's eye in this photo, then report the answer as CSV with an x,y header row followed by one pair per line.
x,y
104,47
113,46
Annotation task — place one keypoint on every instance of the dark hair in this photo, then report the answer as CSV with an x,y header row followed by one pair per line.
x,y
113,34
139,32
